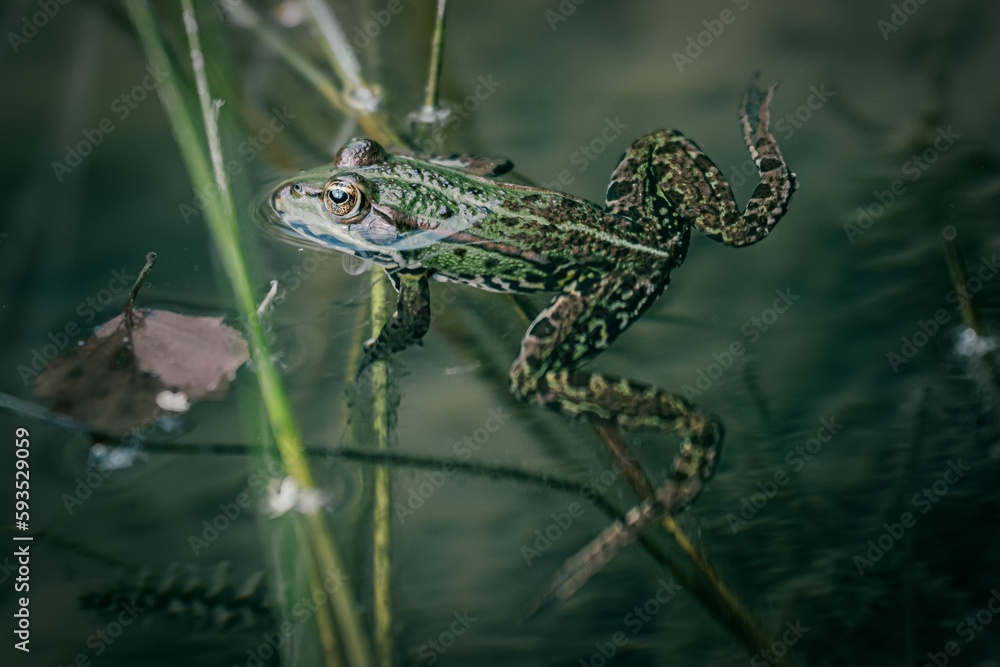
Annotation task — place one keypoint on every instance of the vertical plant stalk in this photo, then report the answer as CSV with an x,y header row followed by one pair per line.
x,y
223,227
956,271
970,315
434,73
339,51
362,98
246,16
383,503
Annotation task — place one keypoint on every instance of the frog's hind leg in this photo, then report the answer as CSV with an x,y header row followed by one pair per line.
x,y
577,325
665,180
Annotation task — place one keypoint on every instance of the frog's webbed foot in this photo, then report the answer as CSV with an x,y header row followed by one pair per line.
x,y
407,325
685,186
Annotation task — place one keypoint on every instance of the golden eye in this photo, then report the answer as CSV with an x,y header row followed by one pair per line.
x,y
343,198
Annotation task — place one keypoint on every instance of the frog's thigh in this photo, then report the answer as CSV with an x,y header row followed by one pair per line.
x,y
580,323
576,326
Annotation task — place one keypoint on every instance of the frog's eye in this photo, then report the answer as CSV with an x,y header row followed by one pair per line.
x,y
343,198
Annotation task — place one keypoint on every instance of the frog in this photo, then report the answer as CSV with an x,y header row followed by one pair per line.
x,y
428,218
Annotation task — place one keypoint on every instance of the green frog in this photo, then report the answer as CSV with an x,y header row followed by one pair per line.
x,y
427,218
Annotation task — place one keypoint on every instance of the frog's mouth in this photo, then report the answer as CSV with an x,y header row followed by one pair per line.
x,y
281,224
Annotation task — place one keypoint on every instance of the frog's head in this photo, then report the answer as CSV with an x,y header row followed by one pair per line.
x,y
372,204
332,206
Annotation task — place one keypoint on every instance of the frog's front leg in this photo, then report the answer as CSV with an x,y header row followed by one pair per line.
x,y
407,325
576,326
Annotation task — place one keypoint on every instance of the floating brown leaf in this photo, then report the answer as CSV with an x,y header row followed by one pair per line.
x,y
99,385
194,355
141,364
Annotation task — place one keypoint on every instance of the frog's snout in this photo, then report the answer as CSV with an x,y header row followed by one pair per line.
x,y
283,192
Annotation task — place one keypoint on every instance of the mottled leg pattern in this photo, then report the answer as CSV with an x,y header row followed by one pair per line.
x,y
577,325
574,327
407,325
683,185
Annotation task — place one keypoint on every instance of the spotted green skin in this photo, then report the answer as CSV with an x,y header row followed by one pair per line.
x,y
421,220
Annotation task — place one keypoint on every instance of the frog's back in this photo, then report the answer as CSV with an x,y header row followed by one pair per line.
x,y
538,240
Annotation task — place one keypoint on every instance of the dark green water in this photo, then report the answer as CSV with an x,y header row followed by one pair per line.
x,y
856,498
